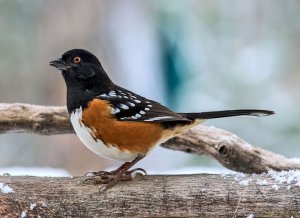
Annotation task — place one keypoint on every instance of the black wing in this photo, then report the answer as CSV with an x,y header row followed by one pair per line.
x,y
129,106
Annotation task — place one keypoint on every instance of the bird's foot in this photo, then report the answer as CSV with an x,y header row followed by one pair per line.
x,y
110,178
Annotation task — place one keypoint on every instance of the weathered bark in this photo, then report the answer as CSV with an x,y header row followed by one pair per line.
x,y
230,150
26,118
155,196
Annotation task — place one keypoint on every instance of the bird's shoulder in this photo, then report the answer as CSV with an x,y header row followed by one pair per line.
x,y
129,106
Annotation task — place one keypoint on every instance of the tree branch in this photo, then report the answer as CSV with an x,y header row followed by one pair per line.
x,y
27,118
230,150
154,196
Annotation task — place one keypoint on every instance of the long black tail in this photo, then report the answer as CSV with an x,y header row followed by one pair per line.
x,y
227,113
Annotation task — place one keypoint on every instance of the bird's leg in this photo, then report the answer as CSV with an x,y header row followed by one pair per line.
x,y
114,172
103,173
111,178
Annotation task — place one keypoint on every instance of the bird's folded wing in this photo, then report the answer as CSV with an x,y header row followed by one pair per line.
x,y
128,106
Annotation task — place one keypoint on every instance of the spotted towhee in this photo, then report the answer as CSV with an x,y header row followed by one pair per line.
x,y
116,123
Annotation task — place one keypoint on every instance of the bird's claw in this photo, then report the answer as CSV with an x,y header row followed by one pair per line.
x,y
110,178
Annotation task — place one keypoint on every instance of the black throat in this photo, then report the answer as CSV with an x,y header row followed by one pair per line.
x,y
80,93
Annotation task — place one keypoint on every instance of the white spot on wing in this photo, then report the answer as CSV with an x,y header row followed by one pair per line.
x,y
131,104
123,106
115,110
142,112
149,105
137,101
146,109
103,95
138,115
159,118
112,94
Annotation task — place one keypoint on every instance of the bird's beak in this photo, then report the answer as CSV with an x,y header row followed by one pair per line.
x,y
59,64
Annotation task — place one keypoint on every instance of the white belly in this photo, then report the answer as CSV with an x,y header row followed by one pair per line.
x,y
85,134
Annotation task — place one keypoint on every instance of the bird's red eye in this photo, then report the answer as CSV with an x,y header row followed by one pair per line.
x,y
77,60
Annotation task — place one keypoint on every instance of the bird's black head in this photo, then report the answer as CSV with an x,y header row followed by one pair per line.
x,y
80,68
84,76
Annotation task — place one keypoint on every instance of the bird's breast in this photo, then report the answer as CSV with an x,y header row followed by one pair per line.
x,y
98,129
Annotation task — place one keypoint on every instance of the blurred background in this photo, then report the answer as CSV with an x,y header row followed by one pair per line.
x,y
190,55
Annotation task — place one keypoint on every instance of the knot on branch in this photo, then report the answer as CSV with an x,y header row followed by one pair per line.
x,y
222,149
37,127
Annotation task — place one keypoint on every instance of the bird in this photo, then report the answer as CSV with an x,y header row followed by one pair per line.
x,y
118,124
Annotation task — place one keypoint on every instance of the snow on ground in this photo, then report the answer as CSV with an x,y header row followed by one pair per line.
x,y
242,179
286,177
274,178
251,215
32,206
5,188
34,171
23,214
